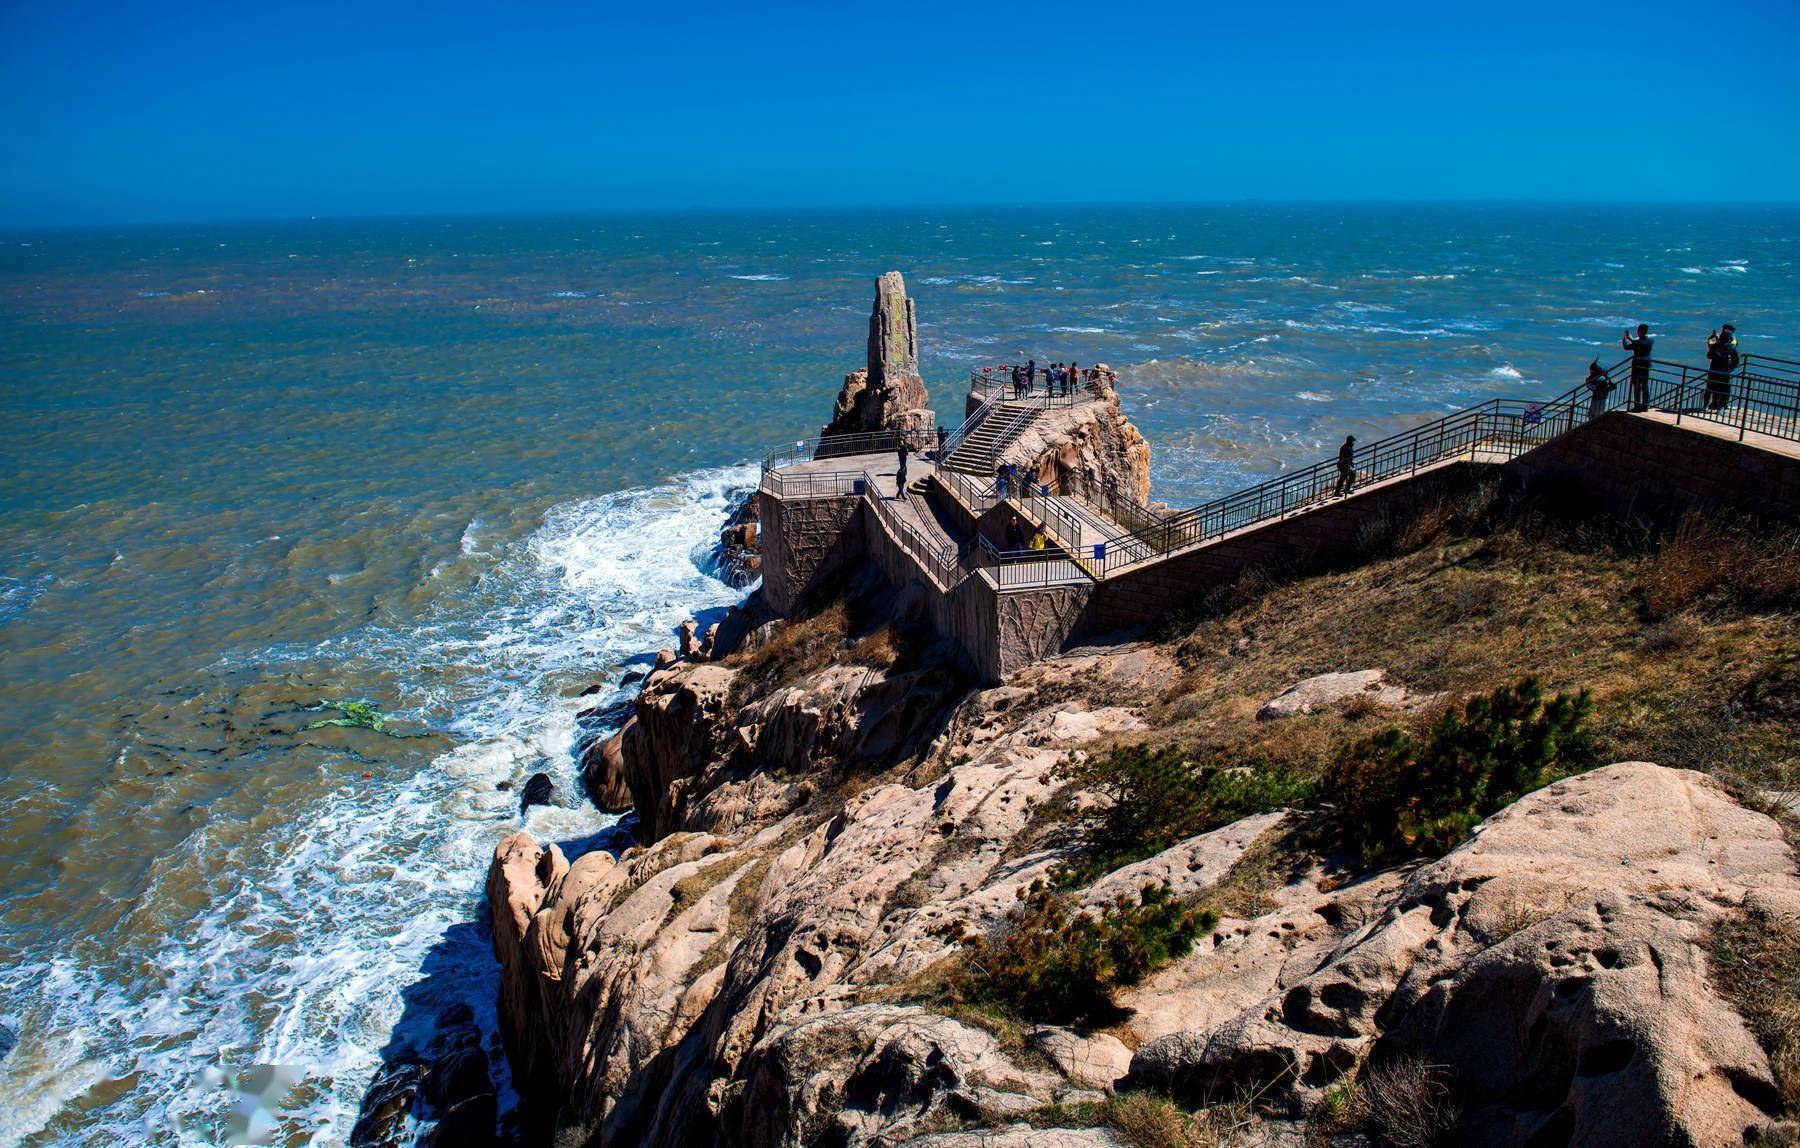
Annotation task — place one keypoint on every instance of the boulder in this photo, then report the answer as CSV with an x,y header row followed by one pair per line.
x,y
1323,691
603,771
1089,449
539,790
875,1074
1554,965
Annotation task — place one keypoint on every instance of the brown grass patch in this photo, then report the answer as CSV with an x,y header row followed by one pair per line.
x,y
1756,963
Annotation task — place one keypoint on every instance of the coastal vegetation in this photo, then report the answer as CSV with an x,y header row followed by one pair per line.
x,y
1056,962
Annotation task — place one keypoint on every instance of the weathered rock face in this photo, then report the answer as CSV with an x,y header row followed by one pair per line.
x,y
738,980
738,557
725,987
680,726
1087,449
888,393
1554,965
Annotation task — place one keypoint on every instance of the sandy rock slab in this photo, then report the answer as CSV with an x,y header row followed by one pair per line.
x,y
1323,691
1555,965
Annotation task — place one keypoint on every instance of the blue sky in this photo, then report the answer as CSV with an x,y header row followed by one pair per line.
x,y
127,111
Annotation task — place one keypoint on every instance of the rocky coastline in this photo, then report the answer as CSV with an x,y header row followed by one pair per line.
x,y
831,817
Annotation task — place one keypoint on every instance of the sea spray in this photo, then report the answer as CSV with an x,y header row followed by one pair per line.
x,y
344,930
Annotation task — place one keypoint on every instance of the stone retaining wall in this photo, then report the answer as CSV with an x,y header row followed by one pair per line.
x,y
1330,535
805,541
1635,466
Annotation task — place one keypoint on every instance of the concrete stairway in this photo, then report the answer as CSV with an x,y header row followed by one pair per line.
x,y
980,451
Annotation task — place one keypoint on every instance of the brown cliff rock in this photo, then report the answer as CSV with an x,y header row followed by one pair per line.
x,y
710,988
603,772
1087,449
679,727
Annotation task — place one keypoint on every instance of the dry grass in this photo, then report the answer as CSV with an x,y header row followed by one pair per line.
x,y
1756,962
1712,682
1407,1103
1735,565
1149,1120
740,903
795,649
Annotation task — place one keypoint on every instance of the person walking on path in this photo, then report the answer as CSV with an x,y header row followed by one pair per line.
x,y
1346,465
904,449
1599,386
1640,366
1722,358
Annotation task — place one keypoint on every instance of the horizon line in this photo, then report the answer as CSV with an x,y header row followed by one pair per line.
x,y
855,208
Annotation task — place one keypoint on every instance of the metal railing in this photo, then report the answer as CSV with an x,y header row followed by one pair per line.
x,y
940,559
811,483
975,419
997,380
1763,395
840,445
1035,500
1031,569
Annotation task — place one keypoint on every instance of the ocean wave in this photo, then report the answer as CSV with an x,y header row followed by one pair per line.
x,y
761,277
324,925
1505,371
1079,330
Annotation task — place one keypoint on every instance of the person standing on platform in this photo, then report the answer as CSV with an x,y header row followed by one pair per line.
x,y
1599,386
1640,366
1722,359
904,449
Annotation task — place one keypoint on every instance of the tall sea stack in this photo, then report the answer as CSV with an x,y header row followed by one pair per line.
x,y
888,394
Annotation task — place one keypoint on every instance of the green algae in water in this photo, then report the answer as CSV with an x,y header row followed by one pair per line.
x,y
353,715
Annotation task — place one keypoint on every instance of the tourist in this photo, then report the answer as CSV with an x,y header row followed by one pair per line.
x,y
1640,366
1038,541
1030,374
904,449
1072,381
1015,538
1721,359
1599,386
1018,380
1000,481
942,434
1346,465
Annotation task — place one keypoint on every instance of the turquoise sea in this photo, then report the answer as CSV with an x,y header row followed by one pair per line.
x,y
464,470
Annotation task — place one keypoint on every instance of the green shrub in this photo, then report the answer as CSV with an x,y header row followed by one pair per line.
x,y
1397,797
1155,798
1054,963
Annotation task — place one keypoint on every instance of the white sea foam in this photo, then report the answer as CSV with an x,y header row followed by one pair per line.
x,y
1505,371
1079,330
357,915
766,277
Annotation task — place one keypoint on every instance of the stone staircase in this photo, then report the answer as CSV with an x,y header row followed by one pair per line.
x,y
980,449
